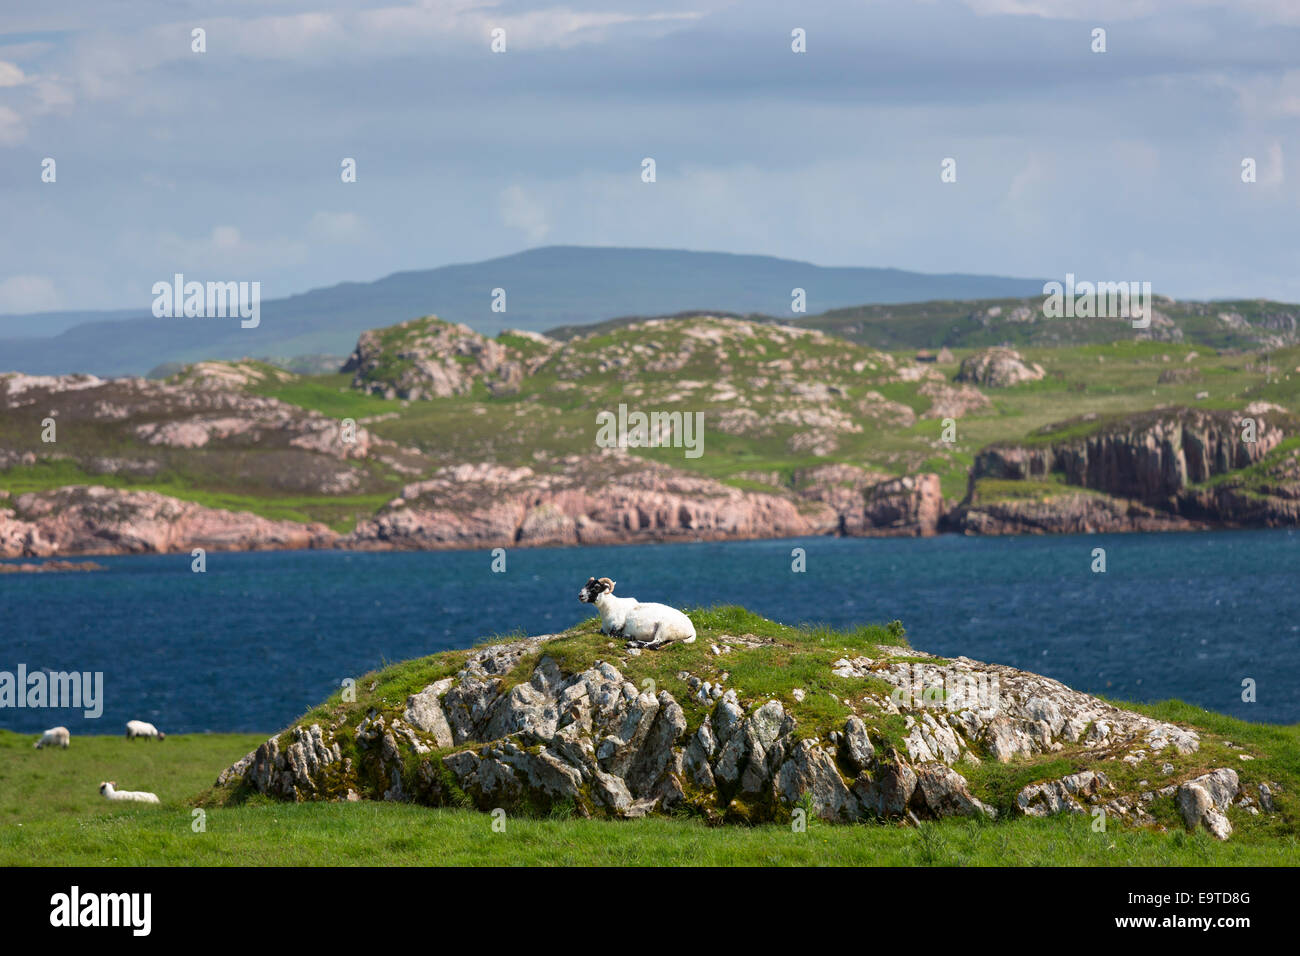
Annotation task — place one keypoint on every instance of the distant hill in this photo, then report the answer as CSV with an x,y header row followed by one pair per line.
x,y
546,287
1020,322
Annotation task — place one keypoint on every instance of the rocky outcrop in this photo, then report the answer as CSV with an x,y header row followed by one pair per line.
x,y
513,728
50,566
429,358
1062,512
1172,469
1148,457
1203,800
998,368
911,505
93,519
948,401
604,499
592,500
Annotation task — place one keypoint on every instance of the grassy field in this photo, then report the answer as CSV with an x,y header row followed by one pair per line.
x,y
51,815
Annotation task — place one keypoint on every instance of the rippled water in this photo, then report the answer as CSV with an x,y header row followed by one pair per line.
x,y
262,637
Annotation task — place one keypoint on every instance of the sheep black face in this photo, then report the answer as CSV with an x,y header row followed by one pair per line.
x,y
594,588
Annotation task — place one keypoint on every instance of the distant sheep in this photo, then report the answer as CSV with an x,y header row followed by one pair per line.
x,y
642,625
55,736
139,796
139,728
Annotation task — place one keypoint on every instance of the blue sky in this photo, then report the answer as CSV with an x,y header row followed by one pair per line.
x,y
225,165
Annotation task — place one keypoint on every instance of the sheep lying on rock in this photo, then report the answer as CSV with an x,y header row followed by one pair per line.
x,y
140,728
642,625
54,737
139,796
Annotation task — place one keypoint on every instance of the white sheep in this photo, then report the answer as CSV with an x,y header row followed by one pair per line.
x,y
642,625
55,736
138,796
140,728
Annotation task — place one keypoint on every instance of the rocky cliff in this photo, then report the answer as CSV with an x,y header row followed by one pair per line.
x,y
577,721
1150,456
93,519
1170,469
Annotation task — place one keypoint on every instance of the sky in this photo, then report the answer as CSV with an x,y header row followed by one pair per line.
x,y
226,164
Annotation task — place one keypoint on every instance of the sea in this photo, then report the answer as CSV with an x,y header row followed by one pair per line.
x,y
258,638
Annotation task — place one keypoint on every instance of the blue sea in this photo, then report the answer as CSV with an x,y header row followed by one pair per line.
x,y
261,637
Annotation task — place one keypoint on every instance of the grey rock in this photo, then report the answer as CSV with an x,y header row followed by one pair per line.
x,y
809,769
424,710
855,745
1202,800
943,792
888,790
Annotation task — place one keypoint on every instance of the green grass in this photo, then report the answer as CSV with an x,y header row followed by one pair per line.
x,y
51,815
341,512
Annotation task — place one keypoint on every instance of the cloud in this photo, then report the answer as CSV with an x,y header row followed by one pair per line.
x,y
1100,11
28,293
11,75
225,250
12,128
520,211
336,226
1267,98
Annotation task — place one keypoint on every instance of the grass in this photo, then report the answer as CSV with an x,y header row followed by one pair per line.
x,y
51,815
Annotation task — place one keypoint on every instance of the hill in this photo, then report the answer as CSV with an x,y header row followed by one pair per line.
x,y
1020,323
545,287
754,723
438,437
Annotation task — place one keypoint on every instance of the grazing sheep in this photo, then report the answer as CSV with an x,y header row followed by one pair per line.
x,y
53,736
139,728
139,796
642,625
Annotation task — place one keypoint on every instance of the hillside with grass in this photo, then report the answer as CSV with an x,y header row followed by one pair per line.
x,y
1244,325
436,436
753,723
758,744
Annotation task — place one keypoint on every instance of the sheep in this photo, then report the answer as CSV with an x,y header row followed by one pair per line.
x,y
651,626
138,796
55,735
139,728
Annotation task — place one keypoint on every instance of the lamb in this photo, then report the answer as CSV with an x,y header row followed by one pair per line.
x,y
54,736
651,626
138,796
140,728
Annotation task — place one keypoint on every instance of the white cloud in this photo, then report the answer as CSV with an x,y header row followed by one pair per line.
x,y
28,293
11,75
520,211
